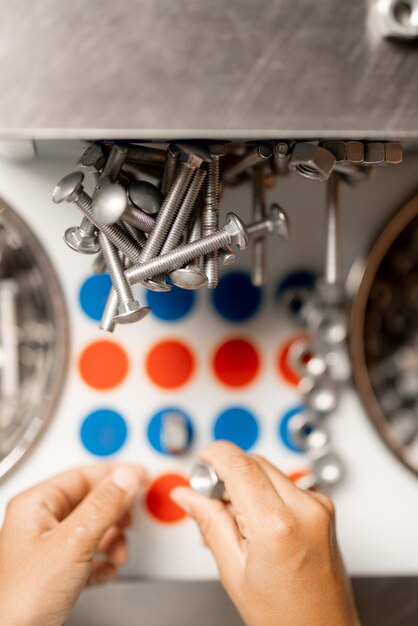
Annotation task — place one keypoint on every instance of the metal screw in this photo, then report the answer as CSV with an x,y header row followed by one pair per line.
x,y
259,269
146,155
129,309
257,155
191,276
210,213
70,189
145,196
227,256
275,222
173,152
94,156
113,166
82,239
233,232
205,481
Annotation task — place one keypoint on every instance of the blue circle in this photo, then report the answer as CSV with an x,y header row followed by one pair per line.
x,y
238,426
155,426
171,306
93,295
103,432
235,298
284,428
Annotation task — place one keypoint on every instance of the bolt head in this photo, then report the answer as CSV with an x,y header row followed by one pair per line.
x,y
236,229
228,256
94,156
189,277
109,203
68,187
204,480
131,312
193,155
217,149
158,283
145,196
280,225
312,161
80,243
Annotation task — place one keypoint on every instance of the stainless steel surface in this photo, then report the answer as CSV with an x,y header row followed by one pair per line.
x,y
34,338
146,196
210,213
380,602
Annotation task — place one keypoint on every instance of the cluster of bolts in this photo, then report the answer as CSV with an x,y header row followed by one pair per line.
x,y
148,232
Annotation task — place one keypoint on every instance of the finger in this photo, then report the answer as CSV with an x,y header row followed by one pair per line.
x,y
217,526
101,509
252,494
324,500
101,572
114,546
286,489
49,502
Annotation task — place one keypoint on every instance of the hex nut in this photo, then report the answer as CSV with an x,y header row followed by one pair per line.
x,y
312,161
397,19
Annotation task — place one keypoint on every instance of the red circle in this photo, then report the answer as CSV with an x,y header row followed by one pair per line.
x,y
297,474
236,363
103,364
170,364
158,499
284,366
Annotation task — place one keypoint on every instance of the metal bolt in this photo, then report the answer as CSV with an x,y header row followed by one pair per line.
x,y
259,268
80,239
332,274
174,434
210,213
173,152
275,222
146,155
113,166
129,309
191,276
109,203
145,196
70,189
205,481
233,232
227,256
94,155
257,155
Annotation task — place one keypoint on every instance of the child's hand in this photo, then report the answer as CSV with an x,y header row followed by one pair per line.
x,y
274,544
50,538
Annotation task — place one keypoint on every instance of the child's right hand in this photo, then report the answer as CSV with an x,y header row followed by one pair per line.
x,y
274,544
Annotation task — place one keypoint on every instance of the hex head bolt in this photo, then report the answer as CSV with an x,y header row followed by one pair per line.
x,y
70,189
110,204
113,166
275,222
129,309
94,156
145,196
164,221
233,232
210,213
170,168
257,155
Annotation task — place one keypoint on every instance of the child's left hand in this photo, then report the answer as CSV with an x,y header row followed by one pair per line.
x,y
51,536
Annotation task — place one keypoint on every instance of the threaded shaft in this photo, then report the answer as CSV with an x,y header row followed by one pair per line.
x,y
116,270
256,155
87,228
147,155
259,269
210,219
113,232
167,213
138,219
136,234
113,165
170,167
162,264
182,217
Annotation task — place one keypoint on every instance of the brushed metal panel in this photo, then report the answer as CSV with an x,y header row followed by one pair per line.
x,y
192,68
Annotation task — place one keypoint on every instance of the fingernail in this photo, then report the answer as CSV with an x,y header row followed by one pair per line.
x,y
177,495
125,478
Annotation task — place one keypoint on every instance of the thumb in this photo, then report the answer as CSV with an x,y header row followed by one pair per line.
x,y
217,526
102,508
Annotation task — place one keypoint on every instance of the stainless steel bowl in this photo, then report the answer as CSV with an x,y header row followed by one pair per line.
x,y
384,333
34,338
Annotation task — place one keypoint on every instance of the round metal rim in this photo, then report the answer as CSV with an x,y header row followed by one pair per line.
x,y
358,309
60,363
